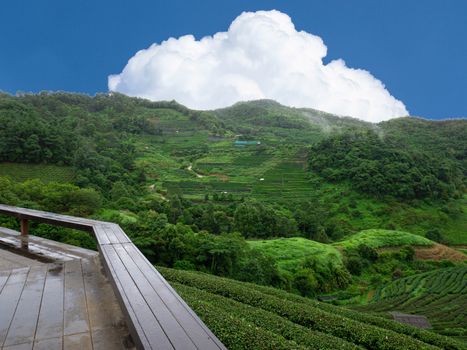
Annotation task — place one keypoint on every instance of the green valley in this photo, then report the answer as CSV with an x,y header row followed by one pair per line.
x,y
284,205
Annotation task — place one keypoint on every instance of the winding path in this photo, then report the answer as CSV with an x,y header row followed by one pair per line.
x,y
190,168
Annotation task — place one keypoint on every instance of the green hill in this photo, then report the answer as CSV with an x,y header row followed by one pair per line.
x,y
376,238
235,192
440,295
249,316
404,174
290,253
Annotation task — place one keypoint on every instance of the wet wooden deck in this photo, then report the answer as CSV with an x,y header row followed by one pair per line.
x,y
156,316
67,304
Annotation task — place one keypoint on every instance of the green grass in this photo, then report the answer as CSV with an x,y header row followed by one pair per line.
x,y
120,216
440,295
44,172
376,238
291,253
246,316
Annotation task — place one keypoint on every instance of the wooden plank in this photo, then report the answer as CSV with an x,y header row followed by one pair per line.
x,y
157,316
50,323
9,298
101,304
110,234
199,333
48,344
11,261
46,217
101,235
72,251
171,327
114,268
3,278
75,317
152,330
133,323
81,341
110,339
105,316
102,308
120,234
24,346
23,325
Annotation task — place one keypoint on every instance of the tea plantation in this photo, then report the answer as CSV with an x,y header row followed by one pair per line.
x,y
246,316
44,172
440,295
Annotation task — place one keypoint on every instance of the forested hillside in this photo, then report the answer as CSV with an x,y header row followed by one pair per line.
x,y
297,199
383,166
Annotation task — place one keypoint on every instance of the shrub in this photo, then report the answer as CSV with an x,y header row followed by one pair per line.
x,y
184,265
262,319
354,265
368,253
407,253
305,282
434,235
308,314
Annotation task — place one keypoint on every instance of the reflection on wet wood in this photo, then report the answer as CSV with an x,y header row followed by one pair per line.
x,y
155,314
66,305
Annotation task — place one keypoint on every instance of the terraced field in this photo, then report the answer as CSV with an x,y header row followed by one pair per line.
x,y
248,316
269,171
44,172
440,295
288,180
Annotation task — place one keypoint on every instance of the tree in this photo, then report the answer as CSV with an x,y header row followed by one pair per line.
x,y
407,253
354,265
368,253
434,235
119,190
305,282
247,220
257,268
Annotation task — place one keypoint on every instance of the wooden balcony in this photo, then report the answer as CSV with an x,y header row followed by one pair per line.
x,y
56,296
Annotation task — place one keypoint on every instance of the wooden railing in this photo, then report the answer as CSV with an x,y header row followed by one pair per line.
x,y
156,315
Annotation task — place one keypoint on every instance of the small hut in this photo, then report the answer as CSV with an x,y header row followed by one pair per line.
x,y
418,321
243,143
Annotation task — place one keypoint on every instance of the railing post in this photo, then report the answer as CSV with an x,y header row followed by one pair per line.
x,y
24,233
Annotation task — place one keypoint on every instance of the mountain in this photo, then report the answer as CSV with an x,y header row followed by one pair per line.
x,y
291,198
406,173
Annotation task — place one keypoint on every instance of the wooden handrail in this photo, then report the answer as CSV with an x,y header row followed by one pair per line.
x,y
157,316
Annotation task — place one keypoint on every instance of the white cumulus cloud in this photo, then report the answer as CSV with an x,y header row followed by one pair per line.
x,y
261,55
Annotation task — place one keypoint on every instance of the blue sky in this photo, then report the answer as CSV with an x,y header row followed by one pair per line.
x,y
417,49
